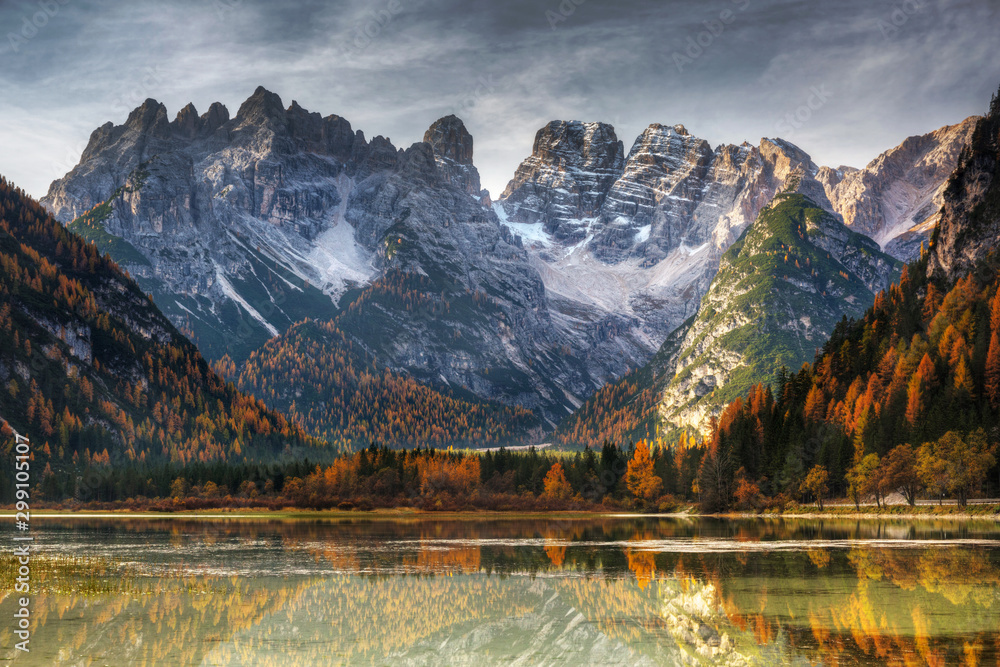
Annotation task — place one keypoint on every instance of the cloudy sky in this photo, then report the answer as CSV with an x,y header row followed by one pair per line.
x,y
844,80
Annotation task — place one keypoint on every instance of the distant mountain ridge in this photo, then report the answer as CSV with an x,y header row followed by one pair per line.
x,y
640,236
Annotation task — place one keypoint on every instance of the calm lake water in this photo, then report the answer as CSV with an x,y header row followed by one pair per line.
x,y
456,591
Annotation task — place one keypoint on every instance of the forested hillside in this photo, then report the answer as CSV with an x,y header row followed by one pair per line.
x,y
905,399
340,393
923,362
93,373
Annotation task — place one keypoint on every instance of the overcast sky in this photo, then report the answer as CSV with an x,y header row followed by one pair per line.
x,y
860,75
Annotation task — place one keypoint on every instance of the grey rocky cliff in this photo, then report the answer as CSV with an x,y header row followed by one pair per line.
x,y
637,246
566,179
452,145
643,247
969,228
235,219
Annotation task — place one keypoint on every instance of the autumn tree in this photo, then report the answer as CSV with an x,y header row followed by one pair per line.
x,y
178,488
899,472
815,484
859,478
556,485
640,477
933,471
992,376
747,494
957,464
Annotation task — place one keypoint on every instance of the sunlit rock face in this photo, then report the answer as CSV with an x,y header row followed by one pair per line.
x,y
897,198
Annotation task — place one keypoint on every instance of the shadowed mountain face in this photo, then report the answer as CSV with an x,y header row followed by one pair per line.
x,y
969,227
241,226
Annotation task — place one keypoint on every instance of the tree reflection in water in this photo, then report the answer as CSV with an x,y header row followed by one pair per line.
x,y
420,591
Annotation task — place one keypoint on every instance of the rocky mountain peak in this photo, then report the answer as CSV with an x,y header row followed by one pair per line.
x,y
449,139
452,146
567,177
418,162
216,116
150,115
664,143
593,146
969,221
99,138
897,197
260,106
187,122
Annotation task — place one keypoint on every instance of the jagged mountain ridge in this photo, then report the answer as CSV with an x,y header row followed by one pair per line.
x,y
242,226
248,226
897,198
640,238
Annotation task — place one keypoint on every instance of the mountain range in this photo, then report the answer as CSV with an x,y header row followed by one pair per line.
x,y
245,229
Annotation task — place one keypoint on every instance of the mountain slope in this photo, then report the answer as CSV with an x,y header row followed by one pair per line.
x,y
242,226
637,240
923,361
624,410
92,370
780,291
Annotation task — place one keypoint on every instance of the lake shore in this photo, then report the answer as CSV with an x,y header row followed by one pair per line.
x,y
902,512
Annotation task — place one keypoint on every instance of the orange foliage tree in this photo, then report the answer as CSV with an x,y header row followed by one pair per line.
x,y
640,477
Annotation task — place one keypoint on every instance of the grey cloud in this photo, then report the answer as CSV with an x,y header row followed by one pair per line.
x,y
393,66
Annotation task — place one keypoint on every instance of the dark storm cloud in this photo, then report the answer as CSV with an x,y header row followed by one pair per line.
x,y
844,80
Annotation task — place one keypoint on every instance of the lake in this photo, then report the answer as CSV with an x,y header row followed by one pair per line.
x,y
371,590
